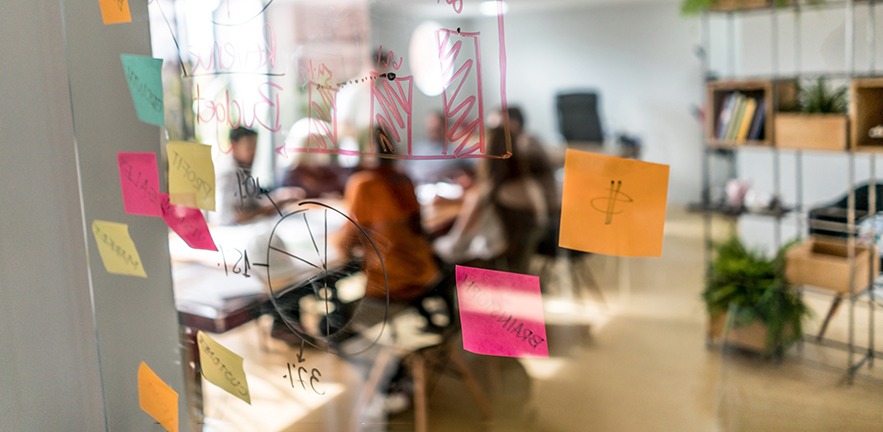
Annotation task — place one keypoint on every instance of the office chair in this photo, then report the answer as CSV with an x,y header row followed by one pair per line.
x,y
578,118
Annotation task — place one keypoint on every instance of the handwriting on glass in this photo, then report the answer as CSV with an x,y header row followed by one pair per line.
x,y
302,372
507,321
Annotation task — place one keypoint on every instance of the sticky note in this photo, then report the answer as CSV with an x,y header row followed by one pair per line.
x,y
157,398
144,75
613,206
191,175
115,11
117,249
501,313
188,223
222,367
139,183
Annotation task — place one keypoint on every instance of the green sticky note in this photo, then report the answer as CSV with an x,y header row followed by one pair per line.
x,y
144,75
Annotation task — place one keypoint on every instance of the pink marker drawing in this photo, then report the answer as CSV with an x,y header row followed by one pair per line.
x,y
463,104
323,117
391,105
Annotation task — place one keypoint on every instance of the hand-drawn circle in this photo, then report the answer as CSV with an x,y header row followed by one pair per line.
x,y
317,340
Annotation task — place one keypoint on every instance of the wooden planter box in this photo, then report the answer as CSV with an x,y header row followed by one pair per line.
x,y
811,131
866,111
824,263
734,5
751,337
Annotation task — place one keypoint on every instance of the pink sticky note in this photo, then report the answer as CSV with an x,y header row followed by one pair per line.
x,y
501,313
189,224
139,181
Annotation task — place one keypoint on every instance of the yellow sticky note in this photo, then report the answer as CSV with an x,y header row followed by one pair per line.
x,y
191,175
613,206
116,248
222,367
157,398
115,11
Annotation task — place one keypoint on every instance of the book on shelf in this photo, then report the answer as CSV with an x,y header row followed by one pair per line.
x,y
747,118
725,115
756,132
736,120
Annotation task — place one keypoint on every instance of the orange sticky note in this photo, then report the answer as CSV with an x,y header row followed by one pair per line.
x,y
115,11
613,206
157,398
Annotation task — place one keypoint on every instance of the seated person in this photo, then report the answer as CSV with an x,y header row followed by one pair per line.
x,y
315,175
238,199
507,188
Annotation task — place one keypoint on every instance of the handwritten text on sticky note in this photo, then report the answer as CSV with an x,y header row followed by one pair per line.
x,y
144,76
157,398
117,250
115,11
139,182
191,175
501,313
613,206
189,224
222,367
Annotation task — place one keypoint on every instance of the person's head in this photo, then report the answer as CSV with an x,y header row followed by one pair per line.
x,y
383,144
243,142
516,120
434,125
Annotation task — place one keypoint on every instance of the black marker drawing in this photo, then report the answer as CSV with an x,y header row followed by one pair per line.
x,y
609,206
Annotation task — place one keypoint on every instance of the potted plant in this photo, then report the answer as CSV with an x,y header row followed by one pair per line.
x,y
692,7
820,120
749,291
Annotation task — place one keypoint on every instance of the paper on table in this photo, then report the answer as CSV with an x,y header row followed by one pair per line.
x,y
222,367
191,175
188,223
117,250
115,11
139,182
144,75
157,398
501,313
613,206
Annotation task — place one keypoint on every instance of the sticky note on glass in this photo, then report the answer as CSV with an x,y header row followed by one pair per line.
x,y
501,313
144,75
117,250
613,206
115,11
222,367
189,224
191,175
157,398
139,182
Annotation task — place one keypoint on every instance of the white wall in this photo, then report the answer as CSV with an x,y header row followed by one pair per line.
x,y
640,58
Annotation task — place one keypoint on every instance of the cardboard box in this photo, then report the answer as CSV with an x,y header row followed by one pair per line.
x,y
811,131
824,262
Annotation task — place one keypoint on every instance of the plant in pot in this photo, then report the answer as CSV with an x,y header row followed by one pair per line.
x,y
818,120
749,290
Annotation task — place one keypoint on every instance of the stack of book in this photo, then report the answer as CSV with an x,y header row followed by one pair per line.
x,y
741,118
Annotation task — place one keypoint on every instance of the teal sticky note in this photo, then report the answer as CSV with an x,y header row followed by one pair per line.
x,y
144,75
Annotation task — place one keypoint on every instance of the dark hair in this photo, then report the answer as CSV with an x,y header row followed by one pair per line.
x,y
515,114
241,132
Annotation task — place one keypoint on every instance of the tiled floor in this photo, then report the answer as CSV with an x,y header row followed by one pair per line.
x,y
638,363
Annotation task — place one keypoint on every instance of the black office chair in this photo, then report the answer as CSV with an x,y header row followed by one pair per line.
x,y
578,118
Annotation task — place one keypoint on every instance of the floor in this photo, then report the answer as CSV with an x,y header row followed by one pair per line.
x,y
636,362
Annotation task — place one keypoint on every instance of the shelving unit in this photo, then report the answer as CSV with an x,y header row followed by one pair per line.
x,y
845,134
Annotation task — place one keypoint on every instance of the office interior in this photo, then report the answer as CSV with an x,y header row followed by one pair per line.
x,y
631,344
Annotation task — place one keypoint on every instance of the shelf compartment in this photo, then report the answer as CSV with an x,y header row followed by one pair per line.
x,y
866,112
773,94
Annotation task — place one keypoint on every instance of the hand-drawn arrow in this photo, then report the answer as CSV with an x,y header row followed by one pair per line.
x,y
300,355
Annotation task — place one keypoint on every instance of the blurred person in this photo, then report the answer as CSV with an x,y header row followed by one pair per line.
x,y
453,170
502,217
239,196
